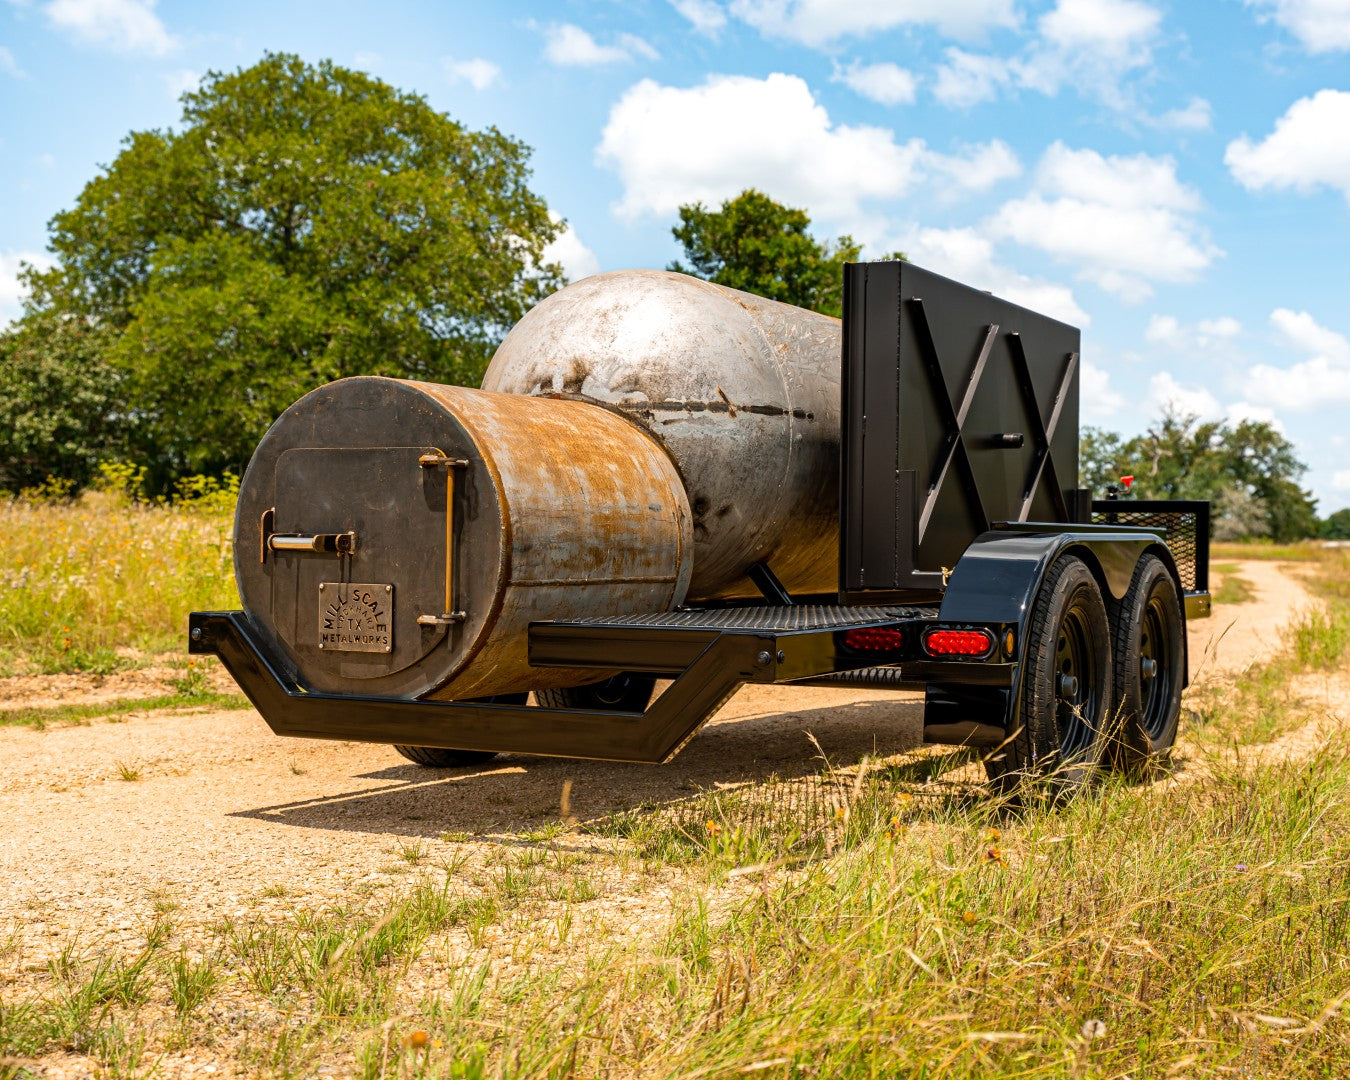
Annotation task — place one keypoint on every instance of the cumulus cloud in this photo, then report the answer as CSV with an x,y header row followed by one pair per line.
x,y
967,255
1099,401
478,73
706,16
1166,394
1204,336
1320,25
11,289
1123,222
673,145
820,22
1308,148
571,46
121,25
181,81
885,83
1091,45
578,261
1196,115
967,79
1320,380
9,65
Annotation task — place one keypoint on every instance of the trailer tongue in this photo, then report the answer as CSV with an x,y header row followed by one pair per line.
x,y
679,485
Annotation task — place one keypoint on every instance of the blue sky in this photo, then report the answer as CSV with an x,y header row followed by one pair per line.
x,y
1174,178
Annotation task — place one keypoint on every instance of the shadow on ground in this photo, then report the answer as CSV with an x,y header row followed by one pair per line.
x,y
514,793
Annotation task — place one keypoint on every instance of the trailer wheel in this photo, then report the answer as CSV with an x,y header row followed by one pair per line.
x,y
1150,662
626,692
1065,698
438,757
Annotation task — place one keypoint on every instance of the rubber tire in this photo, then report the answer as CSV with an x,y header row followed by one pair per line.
x,y
628,691
1068,633
439,757
1148,624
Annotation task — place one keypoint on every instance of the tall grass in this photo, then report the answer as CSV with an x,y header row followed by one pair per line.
x,y
84,581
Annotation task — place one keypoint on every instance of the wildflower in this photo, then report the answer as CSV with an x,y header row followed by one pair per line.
x,y
994,836
993,855
968,917
904,797
1092,1029
841,813
713,828
1241,867
417,1040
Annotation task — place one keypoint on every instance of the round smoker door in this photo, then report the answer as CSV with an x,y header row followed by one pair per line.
x,y
361,610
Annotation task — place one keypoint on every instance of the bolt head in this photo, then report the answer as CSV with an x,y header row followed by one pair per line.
x,y
197,634
764,658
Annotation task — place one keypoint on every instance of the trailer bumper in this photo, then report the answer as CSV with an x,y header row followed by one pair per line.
x,y
709,654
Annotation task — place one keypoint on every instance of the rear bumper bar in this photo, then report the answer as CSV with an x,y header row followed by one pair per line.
x,y
716,663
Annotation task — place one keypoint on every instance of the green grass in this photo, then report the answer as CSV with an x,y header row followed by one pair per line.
x,y
1233,587
54,715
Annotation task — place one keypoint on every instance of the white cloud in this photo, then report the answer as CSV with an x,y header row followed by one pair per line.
x,y
1090,45
478,73
1196,115
571,46
120,25
1165,393
1207,335
819,22
967,79
885,83
967,255
672,145
1321,380
1124,222
705,16
1320,25
11,290
1307,149
1340,480
181,81
578,261
1099,401
9,65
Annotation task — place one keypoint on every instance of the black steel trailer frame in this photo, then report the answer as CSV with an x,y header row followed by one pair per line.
x,y
922,550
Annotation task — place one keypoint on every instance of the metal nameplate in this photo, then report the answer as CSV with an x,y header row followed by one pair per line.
x,y
356,617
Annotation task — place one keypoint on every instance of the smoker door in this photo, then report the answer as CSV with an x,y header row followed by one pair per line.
x,y
355,614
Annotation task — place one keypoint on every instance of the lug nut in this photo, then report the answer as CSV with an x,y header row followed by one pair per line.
x,y
1148,667
1068,686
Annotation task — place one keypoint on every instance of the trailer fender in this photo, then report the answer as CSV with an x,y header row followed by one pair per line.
x,y
996,581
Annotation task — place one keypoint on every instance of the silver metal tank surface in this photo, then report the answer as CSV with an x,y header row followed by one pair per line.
x,y
347,559
742,392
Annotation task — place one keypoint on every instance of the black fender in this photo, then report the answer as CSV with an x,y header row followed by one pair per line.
x,y
996,582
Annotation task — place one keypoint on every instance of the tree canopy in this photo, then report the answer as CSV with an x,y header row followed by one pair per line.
x,y
1249,471
760,246
304,223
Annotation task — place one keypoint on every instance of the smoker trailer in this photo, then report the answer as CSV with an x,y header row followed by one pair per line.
x,y
665,479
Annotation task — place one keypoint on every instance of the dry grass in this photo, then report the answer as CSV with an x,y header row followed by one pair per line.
x,y
889,919
88,585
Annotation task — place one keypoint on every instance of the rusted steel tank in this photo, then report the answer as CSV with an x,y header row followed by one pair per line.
x,y
742,392
347,557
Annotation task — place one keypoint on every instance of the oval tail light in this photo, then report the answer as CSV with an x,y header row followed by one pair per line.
x,y
958,643
874,639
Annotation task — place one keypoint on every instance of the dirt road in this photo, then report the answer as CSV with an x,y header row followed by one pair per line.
x,y
103,821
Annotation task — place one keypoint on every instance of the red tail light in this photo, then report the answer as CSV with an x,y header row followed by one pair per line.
x,y
874,640
958,642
